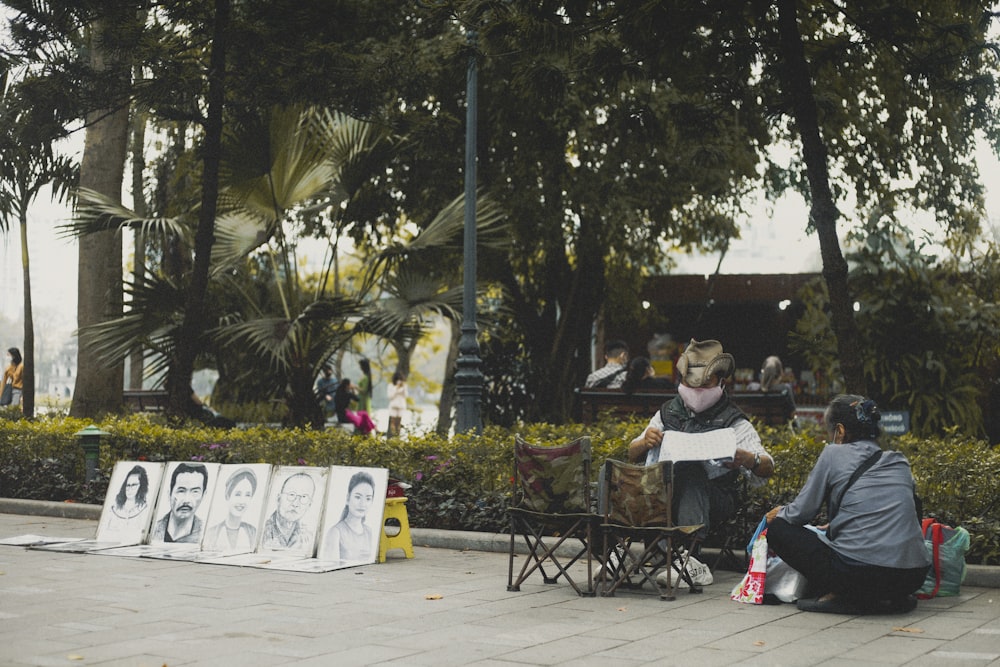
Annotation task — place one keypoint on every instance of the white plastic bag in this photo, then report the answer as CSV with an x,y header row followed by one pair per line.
x,y
700,573
783,581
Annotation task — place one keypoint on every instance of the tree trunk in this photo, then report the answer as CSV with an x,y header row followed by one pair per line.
x,y
195,317
823,210
28,380
98,388
139,241
446,405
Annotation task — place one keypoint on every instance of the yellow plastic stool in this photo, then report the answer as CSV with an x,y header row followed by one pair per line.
x,y
395,508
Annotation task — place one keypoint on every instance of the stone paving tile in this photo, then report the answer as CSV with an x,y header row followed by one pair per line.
x,y
367,655
562,649
455,654
894,650
956,658
698,656
132,611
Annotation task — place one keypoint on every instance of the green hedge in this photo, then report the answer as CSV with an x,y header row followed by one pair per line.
x,y
464,482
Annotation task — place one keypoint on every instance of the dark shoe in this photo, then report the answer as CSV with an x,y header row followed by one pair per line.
x,y
834,606
903,605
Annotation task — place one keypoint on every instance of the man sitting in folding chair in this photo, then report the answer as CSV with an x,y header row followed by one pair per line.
x,y
639,535
705,491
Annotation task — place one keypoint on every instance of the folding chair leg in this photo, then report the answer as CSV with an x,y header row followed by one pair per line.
x,y
539,553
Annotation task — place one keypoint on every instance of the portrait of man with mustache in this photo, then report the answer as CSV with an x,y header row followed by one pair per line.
x,y
187,488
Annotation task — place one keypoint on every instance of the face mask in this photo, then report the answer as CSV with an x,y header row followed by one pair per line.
x,y
699,400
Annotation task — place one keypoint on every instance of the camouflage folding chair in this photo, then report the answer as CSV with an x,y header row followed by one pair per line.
x,y
551,510
639,535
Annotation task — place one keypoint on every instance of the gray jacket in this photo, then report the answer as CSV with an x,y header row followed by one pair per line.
x,y
877,520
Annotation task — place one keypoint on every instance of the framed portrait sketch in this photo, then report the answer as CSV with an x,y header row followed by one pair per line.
x,y
353,519
294,509
236,509
128,505
182,505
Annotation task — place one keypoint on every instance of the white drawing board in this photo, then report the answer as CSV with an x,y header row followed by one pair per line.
x,y
129,502
294,510
236,510
182,505
354,512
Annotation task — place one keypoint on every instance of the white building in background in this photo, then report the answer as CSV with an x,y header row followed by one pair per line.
x,y
61,376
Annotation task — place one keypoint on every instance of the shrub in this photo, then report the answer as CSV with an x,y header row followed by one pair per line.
x,y
463,482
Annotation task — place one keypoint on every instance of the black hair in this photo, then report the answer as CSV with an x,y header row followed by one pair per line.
x,y
613,348
190,467
398,376
140,495
636,373
859,416
361,477
15,355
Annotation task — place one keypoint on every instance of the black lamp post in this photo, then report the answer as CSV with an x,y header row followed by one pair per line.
x,y
469,376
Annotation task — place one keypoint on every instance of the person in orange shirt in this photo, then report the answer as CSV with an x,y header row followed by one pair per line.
x,y
14,374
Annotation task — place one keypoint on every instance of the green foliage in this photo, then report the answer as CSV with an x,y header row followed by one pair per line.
x,y
464,482
929,327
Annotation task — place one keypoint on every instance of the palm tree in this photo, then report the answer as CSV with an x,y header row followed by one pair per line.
x,y
29,164
299,157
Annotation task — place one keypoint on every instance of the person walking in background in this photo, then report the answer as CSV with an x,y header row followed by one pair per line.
x,y
345,395
14,375
326,387
612,374
364,388
397,403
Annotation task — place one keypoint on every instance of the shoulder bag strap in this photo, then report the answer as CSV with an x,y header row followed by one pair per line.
x,y
865,465
606,380
936,537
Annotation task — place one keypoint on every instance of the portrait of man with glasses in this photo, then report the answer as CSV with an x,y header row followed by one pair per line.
x,y
288,526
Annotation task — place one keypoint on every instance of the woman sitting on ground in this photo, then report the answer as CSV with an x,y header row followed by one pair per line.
x,y
345,395
872,555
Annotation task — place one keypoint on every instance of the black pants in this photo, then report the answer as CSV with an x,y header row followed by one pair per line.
x,y
827,572
700,500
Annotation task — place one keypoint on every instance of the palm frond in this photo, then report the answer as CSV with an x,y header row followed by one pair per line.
x,y
323,326
237,234
445,232
272,169
156,310
96,212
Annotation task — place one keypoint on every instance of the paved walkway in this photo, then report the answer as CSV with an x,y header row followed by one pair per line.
x,y
444,607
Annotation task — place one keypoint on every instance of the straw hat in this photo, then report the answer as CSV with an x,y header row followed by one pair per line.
x,y
703,359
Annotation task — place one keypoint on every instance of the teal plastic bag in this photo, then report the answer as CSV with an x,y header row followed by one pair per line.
x,y
947,547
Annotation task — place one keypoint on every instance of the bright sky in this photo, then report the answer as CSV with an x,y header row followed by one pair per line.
x,y
774,243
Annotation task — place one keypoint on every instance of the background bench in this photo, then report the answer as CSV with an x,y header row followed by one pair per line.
x,y
145,400
770,409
